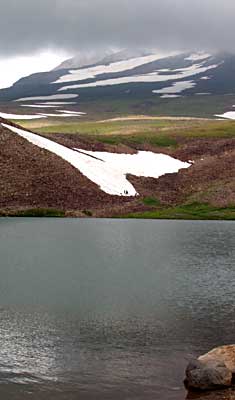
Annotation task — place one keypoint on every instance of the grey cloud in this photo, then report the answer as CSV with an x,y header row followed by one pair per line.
x,y
86,25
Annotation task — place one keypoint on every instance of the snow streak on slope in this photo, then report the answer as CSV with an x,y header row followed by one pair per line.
x,y
57,103
61,113
72,112
19,116
120,66
177,87
202,94
170,96
198,57
37,106
49,97
155,76
65,114
108,170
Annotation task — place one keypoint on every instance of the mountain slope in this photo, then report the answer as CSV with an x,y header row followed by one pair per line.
x,y
175,84
35,178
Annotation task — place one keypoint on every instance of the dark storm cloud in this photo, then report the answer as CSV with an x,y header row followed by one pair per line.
x,y
74,25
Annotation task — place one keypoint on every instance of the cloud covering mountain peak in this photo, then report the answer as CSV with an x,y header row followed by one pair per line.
x,y
90,25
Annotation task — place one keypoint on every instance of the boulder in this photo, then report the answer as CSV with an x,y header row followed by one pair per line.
x,y
210,375
212,370
225,354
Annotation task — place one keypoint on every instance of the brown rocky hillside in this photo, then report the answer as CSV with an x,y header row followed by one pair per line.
x,y
35,178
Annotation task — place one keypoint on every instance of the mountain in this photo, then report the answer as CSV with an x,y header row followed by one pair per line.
x,y
95,58
126,165
143,80
81,60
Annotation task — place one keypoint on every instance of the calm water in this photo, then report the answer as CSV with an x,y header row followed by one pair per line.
x,y
102,309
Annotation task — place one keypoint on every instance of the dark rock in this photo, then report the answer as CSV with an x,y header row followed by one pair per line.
x,y
224,394
211,375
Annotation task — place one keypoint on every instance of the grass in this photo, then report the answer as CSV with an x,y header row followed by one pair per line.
x,y
193,211
104,128
156,140
151,201
117,132
211,129
35,212
155,132
88,213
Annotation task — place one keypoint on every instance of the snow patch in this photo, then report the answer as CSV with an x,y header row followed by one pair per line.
x,y
177,87
19,116
72,112
51,97
144,163
202,94
65,114
58,103
170,96
227,115
59,113
108,170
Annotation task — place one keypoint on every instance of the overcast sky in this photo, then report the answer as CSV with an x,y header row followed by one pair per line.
x,y
14,68
28,25
72,26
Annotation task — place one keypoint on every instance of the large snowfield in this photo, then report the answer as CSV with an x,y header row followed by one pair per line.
x,y
108,170
119,66
151,77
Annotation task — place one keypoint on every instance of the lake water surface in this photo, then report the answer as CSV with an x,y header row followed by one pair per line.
x,y
111,309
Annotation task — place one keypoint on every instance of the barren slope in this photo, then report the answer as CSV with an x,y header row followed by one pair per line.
x,y
35,178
